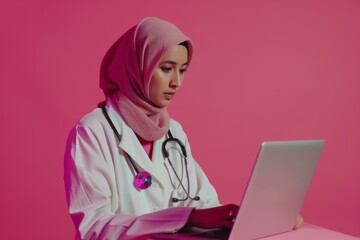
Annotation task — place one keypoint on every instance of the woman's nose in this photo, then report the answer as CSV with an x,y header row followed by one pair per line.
x,y
176,81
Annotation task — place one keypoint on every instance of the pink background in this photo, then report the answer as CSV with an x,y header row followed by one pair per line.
x,y
262,70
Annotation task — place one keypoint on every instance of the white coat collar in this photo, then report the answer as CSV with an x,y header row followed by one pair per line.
x,y
131,145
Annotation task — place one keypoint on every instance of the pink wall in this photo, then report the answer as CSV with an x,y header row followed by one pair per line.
x,y
263,70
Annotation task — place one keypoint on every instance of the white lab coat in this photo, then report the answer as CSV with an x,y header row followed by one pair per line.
x,y
103,202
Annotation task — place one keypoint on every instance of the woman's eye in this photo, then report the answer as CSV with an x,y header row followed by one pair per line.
x,y
166,69
182,71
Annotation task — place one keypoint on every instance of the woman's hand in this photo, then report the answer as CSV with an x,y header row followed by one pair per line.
x,y
216,217
299,222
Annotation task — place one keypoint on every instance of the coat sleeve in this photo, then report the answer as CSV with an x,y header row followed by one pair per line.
x,y
88,185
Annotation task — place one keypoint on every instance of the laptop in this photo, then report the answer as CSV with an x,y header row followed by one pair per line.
x,y
274,194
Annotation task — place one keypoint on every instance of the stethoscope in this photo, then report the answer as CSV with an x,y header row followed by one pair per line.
x,y
143,179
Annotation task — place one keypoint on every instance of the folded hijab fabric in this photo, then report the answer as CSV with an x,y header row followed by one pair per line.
x,y
127,68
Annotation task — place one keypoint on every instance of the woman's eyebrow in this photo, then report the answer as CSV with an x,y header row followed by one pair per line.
x,y
174,63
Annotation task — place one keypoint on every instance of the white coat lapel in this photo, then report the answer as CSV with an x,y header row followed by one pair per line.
x,y
129,142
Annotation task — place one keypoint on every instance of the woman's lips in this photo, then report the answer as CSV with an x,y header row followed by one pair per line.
x,y
169,95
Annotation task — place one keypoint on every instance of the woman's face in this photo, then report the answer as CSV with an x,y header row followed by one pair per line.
x,y
168,76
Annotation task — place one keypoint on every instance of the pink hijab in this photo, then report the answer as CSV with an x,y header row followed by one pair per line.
x,y
126,71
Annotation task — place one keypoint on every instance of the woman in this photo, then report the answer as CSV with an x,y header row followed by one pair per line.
x,y
129,171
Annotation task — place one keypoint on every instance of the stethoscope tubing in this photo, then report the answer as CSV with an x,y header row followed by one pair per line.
x,y
147,180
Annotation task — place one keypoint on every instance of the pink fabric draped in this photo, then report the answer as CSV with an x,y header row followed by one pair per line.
x,y
127,68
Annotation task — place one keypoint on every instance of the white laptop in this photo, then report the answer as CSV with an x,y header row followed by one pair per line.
x,y
274,194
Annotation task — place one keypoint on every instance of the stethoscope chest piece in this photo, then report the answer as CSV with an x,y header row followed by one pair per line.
x,y
142,180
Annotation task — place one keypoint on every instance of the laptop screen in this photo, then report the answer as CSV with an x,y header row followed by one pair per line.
x,y
275,192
